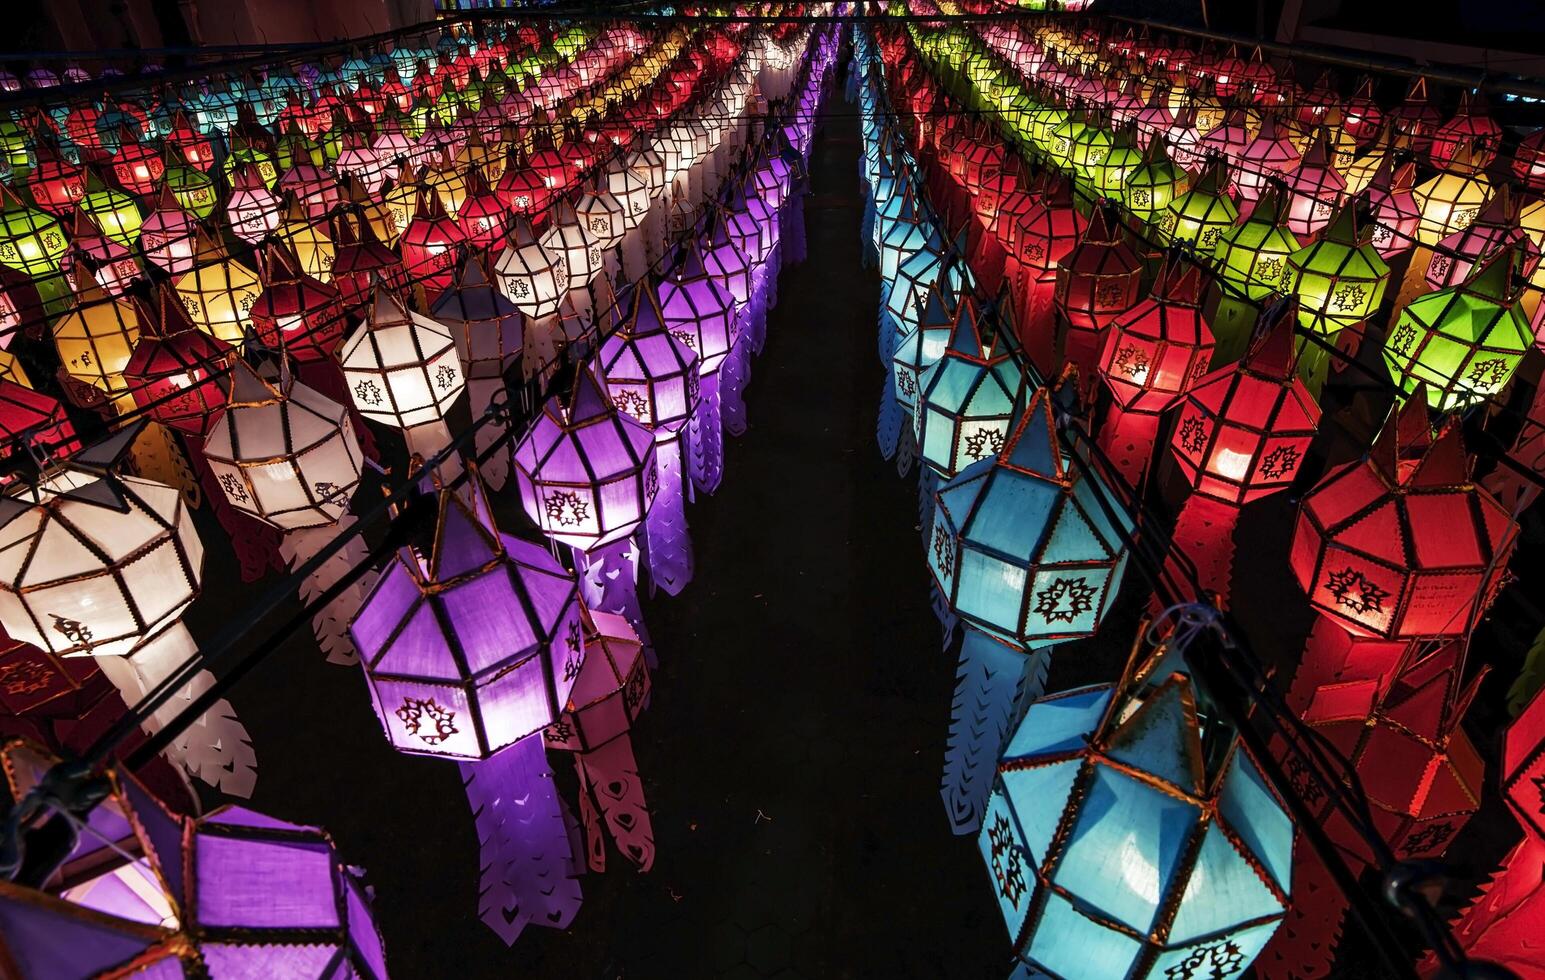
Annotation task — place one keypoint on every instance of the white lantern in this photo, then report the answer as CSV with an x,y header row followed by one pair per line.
x,y
575,246
283,453
603,216
632,191
401,368
533,278
95,563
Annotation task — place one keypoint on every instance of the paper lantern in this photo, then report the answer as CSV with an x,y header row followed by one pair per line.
x,y
483,215
1127,835
252,211
218,293
360,260
1461,344
1048,230
1243,430
1401,544
308,241
1109,175
1495,228
296,313
1201,214
1315,188
1339,279
1156,350
533,278
698,311
1396,215
572,243
95,563
920,348
1096,282
1020,546
56,184
94,259
1418,770
1253,256
967,400
31,241
1151,187
33,421
147,891
487,327
283,453
175,370
586,472
114,212
1451,200
1470,128
429,244
1529,161
96,339
473,647
401,367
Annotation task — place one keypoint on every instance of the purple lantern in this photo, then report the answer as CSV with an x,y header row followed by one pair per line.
x,y
733,271
488,330
701,314
469,652
146,892
587,475
651,377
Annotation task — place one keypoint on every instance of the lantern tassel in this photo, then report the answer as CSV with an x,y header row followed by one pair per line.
x,y
1127,438
331,623
610,775
991,683
756,318
608,582
888,334
256,543
732,382
590,822
792,228
665,526
707,437
635,262
216,747
527,858
1204,533
906,448
927,483
887,430
495,467
866,254
1304,945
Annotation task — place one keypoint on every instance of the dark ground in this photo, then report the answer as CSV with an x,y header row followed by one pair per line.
x,y
793,747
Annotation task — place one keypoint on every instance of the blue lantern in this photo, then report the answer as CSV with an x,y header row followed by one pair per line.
x,y
1023,553
968,399
1130,834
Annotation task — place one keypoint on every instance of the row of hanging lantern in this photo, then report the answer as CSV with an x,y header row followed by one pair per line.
x,y
270,448
1081,830
1382,669
436,633
482,647
1304,240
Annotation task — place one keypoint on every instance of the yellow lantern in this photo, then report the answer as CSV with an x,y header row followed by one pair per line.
x,y
307,241
218,294
1450,201
95,341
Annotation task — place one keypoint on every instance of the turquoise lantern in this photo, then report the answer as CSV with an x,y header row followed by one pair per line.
x,y
967,400
1130,835
1025,555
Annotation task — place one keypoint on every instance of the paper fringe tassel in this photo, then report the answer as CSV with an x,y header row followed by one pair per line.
x,y
1204,533
906,448
665,526
733,378
526,854
609,776
331,623
887,430
608,582
1304,945
792,232
216,747
992,682
707,437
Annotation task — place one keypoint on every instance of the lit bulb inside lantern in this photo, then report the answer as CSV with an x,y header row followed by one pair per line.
x,y
1230,465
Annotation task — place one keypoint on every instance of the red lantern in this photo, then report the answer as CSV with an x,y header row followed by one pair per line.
x,y
1242,430
1529,160
32,418
174,372
1470,127
57,185
296,313
429,245
137,166
1419,770
1096,282
1401,544
1362,117
1157,349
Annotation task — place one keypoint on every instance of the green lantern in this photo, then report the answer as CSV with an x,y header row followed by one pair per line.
x,y
1201,214
1340,279
1154,184
193,189
1109,175
261,161
1063,138
15,148
1463,342
30,240
1044,122
113,211
1253,256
